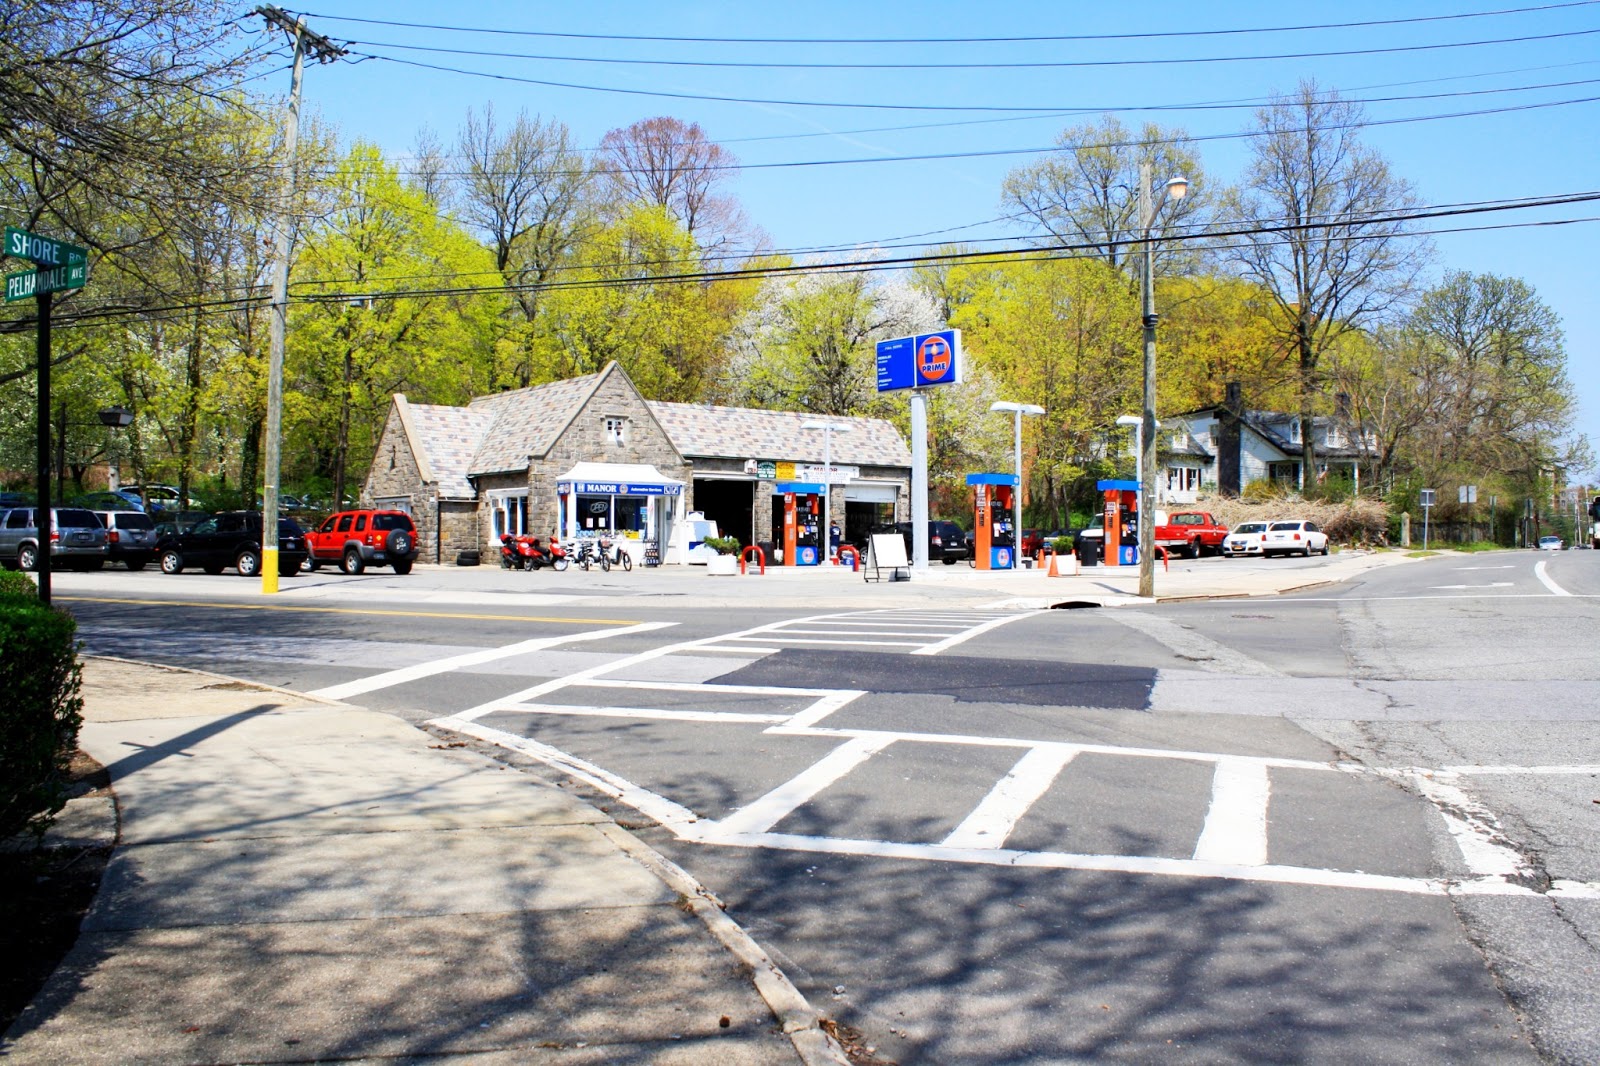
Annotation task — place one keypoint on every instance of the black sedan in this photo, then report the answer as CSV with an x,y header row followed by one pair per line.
x,y
232,538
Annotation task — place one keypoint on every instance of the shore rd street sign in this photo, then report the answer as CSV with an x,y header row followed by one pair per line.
x,y
914,362
45,251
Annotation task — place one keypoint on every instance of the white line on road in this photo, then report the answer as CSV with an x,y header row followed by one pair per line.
x,y
996,816
1544,578
950,642
773,807
1235,832
1476,830
390,678
1490,585
656,713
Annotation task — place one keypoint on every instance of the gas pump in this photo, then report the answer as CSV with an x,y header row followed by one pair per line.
x,y
1121,520
802,532
993,540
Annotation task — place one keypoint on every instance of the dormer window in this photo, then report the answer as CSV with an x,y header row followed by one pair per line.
x,y
616,429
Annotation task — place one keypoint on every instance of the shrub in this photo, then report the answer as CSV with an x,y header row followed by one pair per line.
x,y
16,584
723,545
42,709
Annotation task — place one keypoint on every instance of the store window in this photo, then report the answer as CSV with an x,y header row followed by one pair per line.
x,y
510,512
625,514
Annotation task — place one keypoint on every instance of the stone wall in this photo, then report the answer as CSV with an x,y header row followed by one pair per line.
x,y
394,475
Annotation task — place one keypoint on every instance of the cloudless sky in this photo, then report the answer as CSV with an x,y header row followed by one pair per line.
x,y
838,176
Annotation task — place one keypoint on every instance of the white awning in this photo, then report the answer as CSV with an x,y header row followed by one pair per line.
x,y
617,479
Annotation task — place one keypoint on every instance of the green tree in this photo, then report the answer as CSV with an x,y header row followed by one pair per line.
x,y
377,312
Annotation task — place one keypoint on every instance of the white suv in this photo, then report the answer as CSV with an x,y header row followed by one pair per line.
x,y
1294,537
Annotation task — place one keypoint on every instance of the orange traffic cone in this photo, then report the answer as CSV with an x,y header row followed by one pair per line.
x,y
1053,571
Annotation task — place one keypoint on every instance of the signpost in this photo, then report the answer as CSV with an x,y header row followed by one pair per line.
x,y
915,363
57,266
1427,506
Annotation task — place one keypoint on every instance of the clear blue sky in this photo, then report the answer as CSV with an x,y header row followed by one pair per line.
x,y
1528,152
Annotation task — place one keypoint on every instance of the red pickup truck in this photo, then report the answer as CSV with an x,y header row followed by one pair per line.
x,y
1190,533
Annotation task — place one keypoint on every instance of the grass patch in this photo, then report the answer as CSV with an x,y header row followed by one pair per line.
x,y
1420,554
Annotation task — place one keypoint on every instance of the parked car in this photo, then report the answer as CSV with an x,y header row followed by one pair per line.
x,y
170,522
355,540
130,537
162,498
947,542
1292,537
109,500
9,500
77,539
232,538
1551,544
1247,538
1034,539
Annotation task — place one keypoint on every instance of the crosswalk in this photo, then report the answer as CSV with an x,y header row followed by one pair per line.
x,y
1238,827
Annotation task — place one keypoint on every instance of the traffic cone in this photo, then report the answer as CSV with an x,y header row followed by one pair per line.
x,y
1053,571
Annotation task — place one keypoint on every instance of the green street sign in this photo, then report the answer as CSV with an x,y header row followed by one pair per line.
x,y
32,283
46,251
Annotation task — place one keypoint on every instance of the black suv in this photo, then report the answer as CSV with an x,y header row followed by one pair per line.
x,y
232,538
947,542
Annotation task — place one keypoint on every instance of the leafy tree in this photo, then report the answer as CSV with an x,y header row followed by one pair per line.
x,y
1063,334
1323,238
1087,191
527,190
373,318
1215,329
633,294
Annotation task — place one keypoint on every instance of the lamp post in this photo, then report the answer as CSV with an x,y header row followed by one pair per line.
x,y
114,418
828,430
1017,410
1176,188
1138,454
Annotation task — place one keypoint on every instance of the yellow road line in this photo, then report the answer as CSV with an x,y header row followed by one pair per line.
x,y
348,610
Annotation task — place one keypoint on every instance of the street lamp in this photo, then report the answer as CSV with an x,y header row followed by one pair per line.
x,y
1138,454
1017,410
828,430
114,418
1176,188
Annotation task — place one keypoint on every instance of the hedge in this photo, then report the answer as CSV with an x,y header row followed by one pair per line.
x,y
41,710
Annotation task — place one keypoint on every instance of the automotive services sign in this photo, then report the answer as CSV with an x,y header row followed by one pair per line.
x,y
617,488
923,360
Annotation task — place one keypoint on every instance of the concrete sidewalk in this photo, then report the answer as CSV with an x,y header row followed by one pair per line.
x,y
297,880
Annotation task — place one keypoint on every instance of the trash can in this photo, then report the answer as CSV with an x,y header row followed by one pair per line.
x,y
1087,549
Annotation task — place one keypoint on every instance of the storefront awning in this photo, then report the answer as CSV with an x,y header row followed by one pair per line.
x,y
617,479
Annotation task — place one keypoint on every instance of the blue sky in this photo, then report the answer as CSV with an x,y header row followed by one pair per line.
x,y
1013,112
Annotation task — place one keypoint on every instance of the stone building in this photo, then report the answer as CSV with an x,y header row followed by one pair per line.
x,y
590,453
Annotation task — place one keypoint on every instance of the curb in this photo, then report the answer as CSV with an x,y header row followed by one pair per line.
x,y
801,1021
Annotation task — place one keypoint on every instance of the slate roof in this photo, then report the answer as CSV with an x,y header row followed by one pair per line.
x,y
450,437
527,422
709,430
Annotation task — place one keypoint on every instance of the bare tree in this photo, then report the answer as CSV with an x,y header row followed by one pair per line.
x,y
668,163
430,168
1087,191
108,99
1326,237
527,189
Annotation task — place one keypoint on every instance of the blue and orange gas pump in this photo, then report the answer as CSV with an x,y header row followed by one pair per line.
x,y
1121,517
994,542
802,503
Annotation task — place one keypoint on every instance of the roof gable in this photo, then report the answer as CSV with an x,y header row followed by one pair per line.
x,y
448,437
527,422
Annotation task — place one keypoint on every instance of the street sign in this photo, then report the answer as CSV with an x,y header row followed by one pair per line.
x,y
926,359
32,283
1427,498
45,251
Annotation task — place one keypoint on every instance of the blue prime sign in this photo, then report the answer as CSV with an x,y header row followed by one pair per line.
x,y
617,488
914,362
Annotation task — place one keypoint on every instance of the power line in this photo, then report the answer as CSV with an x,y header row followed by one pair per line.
x,y
1038,110
1069,64
1155,35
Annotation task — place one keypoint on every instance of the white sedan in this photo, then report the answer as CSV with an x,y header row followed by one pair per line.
x,y
1294,537
1245,539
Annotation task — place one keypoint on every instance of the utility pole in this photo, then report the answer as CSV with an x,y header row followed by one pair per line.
x,y
323,51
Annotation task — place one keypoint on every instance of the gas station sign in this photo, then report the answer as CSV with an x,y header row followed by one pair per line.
x,y
923,360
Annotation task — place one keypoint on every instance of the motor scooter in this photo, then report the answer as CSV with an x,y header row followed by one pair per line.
x,y
558,554
613,555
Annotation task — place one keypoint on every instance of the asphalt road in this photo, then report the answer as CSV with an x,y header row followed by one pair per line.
x,y
1355,824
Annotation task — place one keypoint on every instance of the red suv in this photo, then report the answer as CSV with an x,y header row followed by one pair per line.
x,y
355,540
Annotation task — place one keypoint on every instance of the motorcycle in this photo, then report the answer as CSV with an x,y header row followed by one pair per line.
x,y
608,559
558,554
585,554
